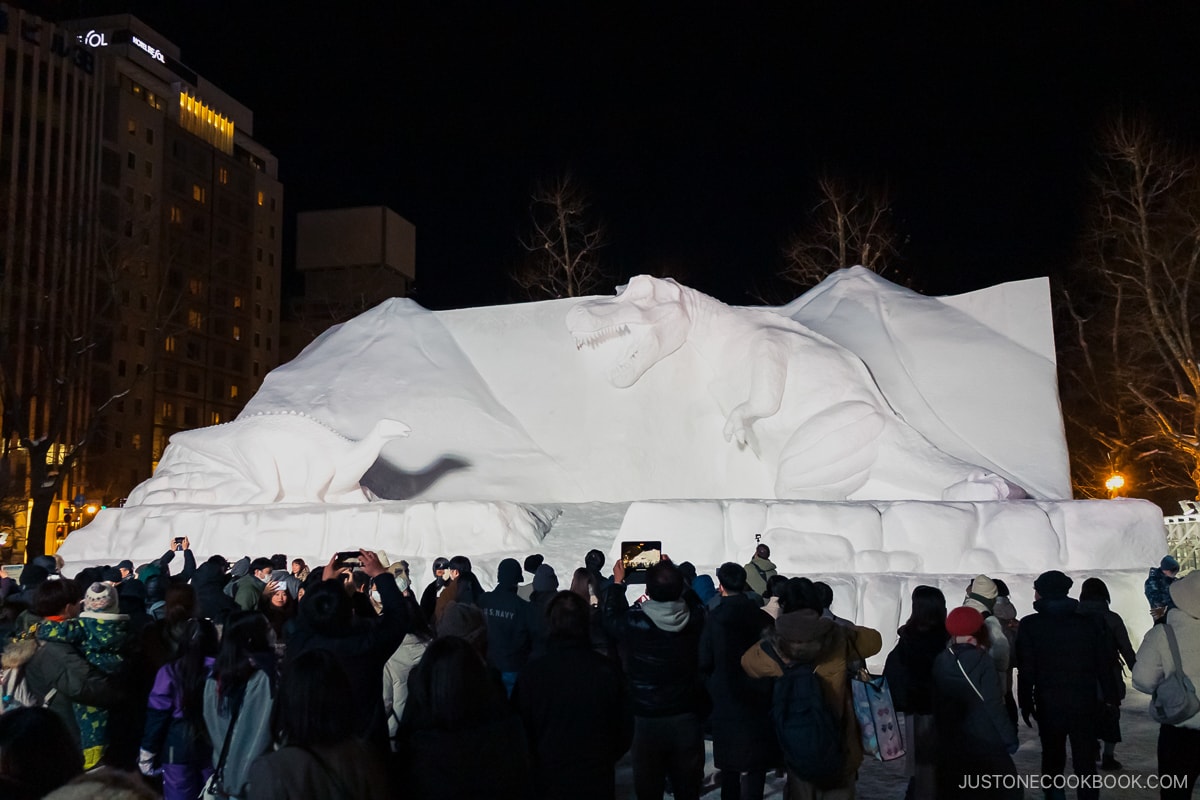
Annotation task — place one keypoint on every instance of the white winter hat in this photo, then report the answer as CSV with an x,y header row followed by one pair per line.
x,y
100,597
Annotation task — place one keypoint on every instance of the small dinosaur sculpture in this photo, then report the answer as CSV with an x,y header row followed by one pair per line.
x,y
270,457
800,402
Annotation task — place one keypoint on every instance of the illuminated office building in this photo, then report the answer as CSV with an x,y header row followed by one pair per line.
x,y
158,196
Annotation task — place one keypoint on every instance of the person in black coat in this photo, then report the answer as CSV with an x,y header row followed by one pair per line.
x,y
430,595
509,624
362,646
209,583
575,709
458,736
909,673
743,735
660,643
975,736
1094,600
1062,660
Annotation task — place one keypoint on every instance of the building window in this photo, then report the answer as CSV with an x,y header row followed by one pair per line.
x,y
195,319
268,344
233,391
129,195
136,441
189,416
141,337
272,203
270,259
131,160
254,369
149,169
237,333
258,281
223,176
197,193
149,136
215,419
132,127
191,383
120,369
256,339
169,344
195,286
147,202
270,314
260,198
176,215
237,301
257,311
271,235
144,303
137,406
168,412
258,255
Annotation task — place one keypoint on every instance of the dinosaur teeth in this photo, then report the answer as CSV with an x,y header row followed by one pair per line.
x,y
596,338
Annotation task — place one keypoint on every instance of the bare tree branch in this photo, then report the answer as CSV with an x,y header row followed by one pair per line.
x,y
562,244
850,226
1129,372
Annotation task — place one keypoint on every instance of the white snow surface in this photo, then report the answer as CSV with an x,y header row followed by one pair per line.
x,y
521,443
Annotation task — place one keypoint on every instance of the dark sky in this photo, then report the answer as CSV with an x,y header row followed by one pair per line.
x,y
699,129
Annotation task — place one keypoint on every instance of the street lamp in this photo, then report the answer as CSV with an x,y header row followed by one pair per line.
x,y
1114,484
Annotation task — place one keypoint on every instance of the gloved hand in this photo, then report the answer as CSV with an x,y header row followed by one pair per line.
x,y
1025,715
146,764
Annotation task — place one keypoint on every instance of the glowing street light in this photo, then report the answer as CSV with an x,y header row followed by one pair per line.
x,y
1114,484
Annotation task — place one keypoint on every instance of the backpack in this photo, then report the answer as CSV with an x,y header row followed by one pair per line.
x,y
809,733
14,689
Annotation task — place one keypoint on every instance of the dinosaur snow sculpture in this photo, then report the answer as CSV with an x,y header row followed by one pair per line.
x,y
271,457
804,405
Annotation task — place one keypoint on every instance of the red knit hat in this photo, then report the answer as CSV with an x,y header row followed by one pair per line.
x,y
963,621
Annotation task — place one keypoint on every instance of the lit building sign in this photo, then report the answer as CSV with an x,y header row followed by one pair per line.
x,y
94,39
153,52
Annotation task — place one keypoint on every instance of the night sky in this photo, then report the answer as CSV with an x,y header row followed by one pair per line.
x,y
699,129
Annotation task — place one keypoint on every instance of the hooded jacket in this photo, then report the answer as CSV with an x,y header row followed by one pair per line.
x,y
660,644
1154,660
808,638
211,600
1158,589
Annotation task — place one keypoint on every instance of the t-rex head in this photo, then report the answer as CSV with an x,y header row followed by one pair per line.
x,y
649,313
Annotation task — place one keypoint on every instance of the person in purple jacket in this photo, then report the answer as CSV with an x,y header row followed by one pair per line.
x,y
175,742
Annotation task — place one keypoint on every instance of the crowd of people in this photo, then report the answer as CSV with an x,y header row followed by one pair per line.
x,y
265,679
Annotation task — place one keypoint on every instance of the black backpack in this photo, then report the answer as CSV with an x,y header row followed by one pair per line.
x,y
809,733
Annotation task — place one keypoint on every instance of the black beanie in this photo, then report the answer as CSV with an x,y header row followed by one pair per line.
x,y
1052,584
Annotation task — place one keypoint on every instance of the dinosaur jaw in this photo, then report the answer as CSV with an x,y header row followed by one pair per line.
x,y
630,365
